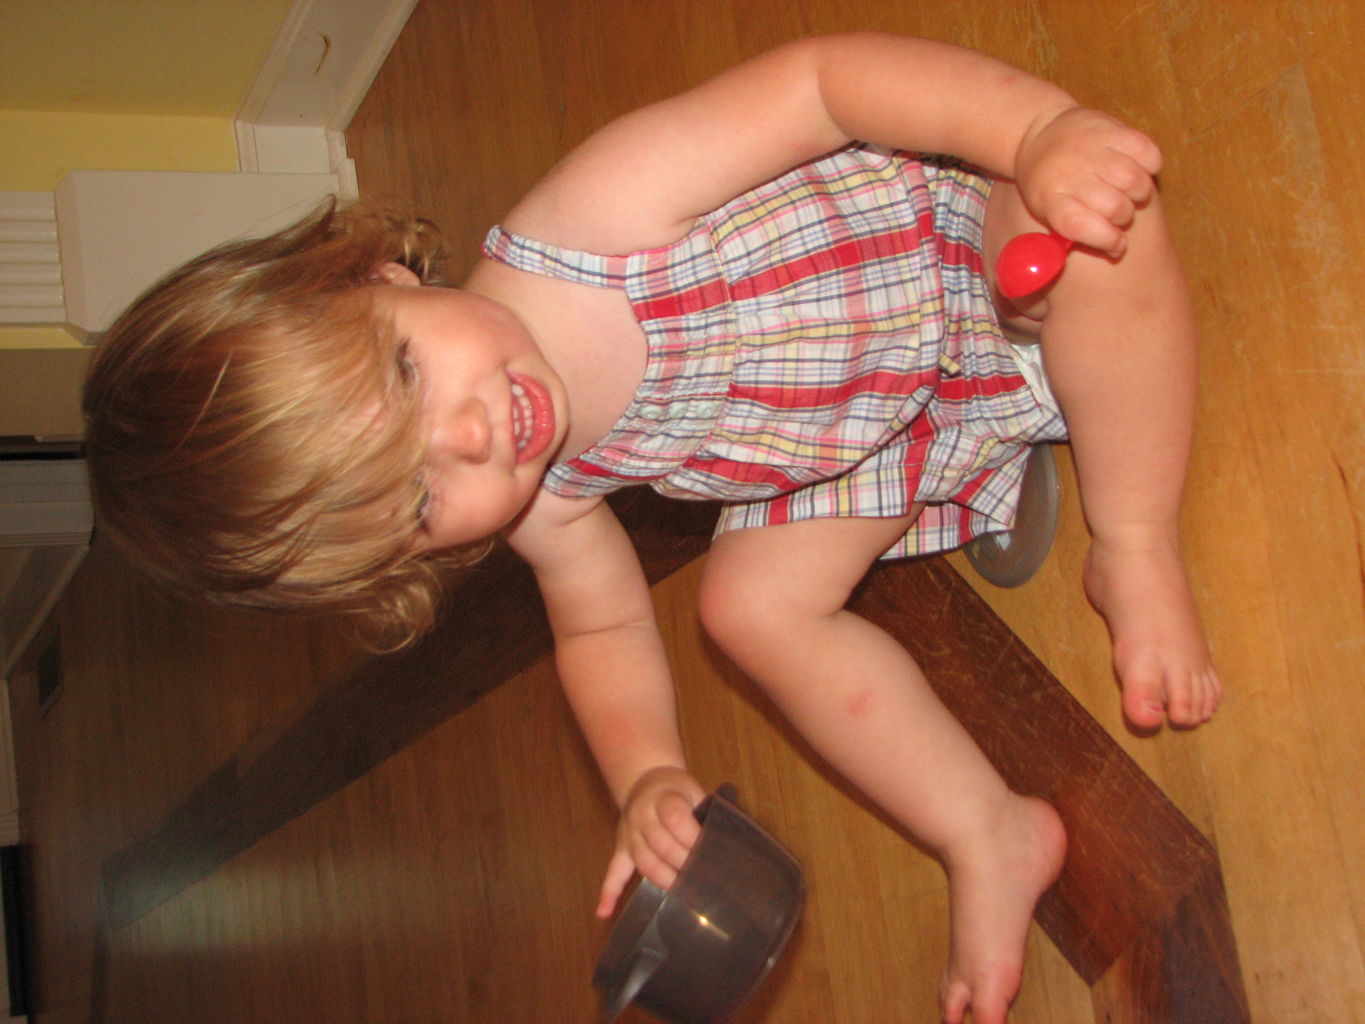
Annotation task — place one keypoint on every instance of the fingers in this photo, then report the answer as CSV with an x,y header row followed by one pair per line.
x,y
660,843
1138,148
1098,210
657,832
1122,177
619,872
1086,174
954,998
1078,220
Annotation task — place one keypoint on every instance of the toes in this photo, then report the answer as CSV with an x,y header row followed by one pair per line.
x,y
1154,693
1193,702
1182,705
1144,702
1201,700
1212,689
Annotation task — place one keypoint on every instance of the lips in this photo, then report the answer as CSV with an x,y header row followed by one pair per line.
x,y
533,417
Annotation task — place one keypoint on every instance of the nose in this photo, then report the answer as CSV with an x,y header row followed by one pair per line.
x,y
463,432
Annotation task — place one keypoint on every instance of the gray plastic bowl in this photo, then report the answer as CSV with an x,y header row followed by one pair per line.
x,y
697,952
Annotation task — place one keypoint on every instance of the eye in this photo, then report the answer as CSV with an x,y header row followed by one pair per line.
x,y
423,502
409,378
408,374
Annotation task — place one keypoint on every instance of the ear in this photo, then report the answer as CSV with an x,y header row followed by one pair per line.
x,y
393,273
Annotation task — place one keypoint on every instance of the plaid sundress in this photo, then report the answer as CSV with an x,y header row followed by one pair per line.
x,y
823,345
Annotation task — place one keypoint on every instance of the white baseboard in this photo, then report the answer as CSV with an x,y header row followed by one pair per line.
x,y
324,59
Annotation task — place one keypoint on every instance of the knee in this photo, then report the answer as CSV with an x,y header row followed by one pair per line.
x,y
758,622
724,605
739,613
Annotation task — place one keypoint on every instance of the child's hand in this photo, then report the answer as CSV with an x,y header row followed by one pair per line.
x,y
1083,173
656,832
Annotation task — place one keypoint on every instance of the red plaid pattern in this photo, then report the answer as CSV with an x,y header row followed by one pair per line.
x,y
823,345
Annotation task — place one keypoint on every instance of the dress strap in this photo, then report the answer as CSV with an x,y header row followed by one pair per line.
x,y
553,261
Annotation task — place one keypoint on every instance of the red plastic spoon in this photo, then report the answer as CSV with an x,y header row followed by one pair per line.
x,y
1030,262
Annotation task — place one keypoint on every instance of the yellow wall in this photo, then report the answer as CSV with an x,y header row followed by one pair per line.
x,y
132,85
39,147
193,58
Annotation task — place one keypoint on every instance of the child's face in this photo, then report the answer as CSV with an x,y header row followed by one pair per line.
x,y
493,412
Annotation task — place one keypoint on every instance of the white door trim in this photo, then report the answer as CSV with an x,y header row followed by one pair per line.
x,y
324,59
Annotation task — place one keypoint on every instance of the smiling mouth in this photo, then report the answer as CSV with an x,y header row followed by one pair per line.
x,y
533,417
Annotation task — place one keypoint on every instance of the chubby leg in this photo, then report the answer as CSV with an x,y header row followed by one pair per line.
x,y
774,598
1119,345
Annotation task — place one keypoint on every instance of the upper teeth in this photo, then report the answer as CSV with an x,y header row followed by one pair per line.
x,y
521,415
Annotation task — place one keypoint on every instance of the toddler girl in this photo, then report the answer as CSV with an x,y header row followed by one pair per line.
x,y
752,292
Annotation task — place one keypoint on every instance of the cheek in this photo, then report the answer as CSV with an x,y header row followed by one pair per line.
x,y
468,510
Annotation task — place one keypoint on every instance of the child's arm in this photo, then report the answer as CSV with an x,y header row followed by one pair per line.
x,y
615,673
643,179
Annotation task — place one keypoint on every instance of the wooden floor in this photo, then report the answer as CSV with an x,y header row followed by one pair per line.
x,y
449,875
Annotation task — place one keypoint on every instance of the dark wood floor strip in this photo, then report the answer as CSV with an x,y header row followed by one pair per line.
x,y
496,628
1140,880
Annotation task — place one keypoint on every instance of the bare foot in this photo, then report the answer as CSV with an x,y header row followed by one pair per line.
x,y
1160,653
995,886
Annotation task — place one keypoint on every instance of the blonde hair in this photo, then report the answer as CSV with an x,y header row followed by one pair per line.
x,y
249,434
